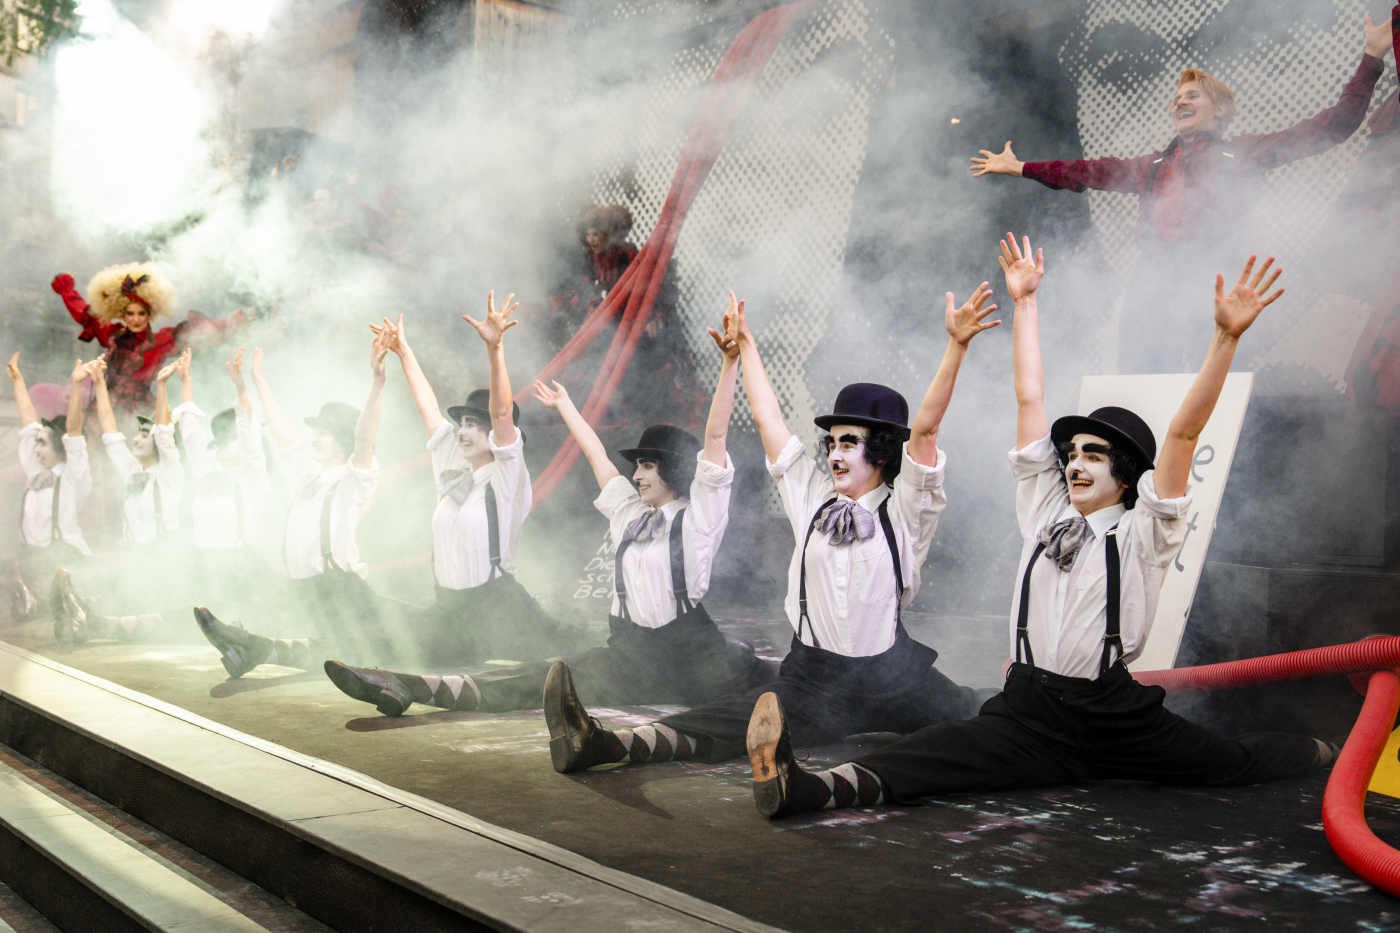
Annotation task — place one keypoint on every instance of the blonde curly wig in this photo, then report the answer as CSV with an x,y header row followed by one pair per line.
x,y
109,302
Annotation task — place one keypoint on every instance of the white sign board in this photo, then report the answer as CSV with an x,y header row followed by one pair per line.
x,y
1156,399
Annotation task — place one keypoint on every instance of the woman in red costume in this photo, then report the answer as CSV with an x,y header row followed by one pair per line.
x,y
123,302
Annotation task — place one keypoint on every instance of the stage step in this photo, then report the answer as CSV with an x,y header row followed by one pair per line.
x,y
89,867
351,852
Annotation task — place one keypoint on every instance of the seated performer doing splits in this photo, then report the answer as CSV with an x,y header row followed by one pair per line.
x,y
664,648
58,480
862,531
1101,527
333,477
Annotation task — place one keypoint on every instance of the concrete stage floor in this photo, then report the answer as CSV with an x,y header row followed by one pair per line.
x,y
1102,856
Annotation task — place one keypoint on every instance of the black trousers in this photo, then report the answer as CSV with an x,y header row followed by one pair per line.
x,y
1045,729
828,696
685,662
498,620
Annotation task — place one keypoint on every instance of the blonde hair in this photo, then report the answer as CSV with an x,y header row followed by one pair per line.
x,y
1217,90
109,302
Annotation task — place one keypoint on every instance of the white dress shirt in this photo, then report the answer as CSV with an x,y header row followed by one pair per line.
x,y
36,516
1069,608
167,472
646,565
353,490
214,512
851,592
461,546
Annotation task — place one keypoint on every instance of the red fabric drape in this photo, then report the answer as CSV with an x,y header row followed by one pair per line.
x,y
635,293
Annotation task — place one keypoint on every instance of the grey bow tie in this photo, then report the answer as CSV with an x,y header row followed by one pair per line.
x,y
648,526
455,485
845,521
1063,540
44,479
137,483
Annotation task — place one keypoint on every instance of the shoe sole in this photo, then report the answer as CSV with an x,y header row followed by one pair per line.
x,y
564,746
765,731
391,704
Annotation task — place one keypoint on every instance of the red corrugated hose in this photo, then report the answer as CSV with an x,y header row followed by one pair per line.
x,y
1344,801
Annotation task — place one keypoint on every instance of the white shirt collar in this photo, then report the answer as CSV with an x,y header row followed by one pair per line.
x,y
1104,519
872,499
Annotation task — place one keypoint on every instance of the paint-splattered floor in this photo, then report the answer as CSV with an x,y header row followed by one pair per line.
x,y
1101,856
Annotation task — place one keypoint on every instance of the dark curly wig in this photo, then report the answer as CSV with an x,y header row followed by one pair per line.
x,y
1122,467
884,448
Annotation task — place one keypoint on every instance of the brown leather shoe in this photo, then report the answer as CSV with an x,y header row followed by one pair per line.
x,y
770,755
239,649
576,740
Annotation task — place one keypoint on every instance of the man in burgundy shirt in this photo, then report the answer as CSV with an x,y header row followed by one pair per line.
x,y
1184,188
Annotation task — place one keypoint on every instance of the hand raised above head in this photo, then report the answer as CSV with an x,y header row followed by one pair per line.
x,y
255,368
1022,274
966,322
727,339
1377,37
551,398
235,369
497,321
12,368
97,367
1236,311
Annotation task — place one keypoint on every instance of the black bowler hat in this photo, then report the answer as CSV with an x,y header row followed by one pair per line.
x,y
870,405
1118,426
339,419
662,440
224,428
478,409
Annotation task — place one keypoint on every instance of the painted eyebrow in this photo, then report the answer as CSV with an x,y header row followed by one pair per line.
x,y
851,439
1095,448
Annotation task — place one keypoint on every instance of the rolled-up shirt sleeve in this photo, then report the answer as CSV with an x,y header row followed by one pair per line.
x,y
917,499
802,485
1040,486
706,518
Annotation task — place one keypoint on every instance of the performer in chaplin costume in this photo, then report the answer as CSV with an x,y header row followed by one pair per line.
x,y
53,453
862,531
669,521
1101,527
123,302
334,476
483,489
151,468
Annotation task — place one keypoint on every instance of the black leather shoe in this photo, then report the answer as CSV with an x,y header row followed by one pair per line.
x,y
22,602
576,741
770,754
239,649
69,615
370,685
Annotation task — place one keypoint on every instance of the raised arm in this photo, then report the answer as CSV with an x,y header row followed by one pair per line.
x,y
722,405
368,426
73,424
182,369
277,421
1377,37
235,374
424,398
106,421
1234,313
27,415
767,413
162,398
492,330
963,324
558,399
1022,280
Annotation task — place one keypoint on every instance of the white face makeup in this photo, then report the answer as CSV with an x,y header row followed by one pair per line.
x,y
1090,475
49,457
650,487
474,443
850,471
326,450
144,445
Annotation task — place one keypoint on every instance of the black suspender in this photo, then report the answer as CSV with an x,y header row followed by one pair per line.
x,y
1112,637
493,534
884,514
55,535
676,543
326,556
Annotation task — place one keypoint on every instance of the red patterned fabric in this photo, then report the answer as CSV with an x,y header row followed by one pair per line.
x,y
134,359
